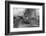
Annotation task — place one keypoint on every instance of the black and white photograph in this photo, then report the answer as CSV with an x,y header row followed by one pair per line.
x,y
24,17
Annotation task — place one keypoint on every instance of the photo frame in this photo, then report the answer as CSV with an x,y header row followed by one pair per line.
x,y
24,17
